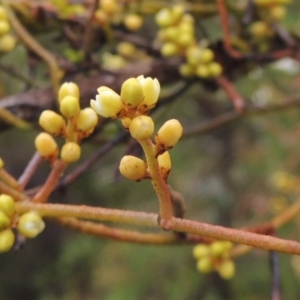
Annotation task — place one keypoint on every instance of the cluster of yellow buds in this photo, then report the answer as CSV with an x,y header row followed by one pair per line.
x,y
137,97
273,10
74,124
29,224
7,40
114,11
215,257
177,35
126,53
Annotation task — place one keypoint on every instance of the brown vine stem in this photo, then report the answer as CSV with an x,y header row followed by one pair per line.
x,y
159,184
233,116
150,220
234,96
30,170
118,234
57,170
33,45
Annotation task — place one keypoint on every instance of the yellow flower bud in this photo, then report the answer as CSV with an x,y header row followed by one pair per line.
x,y
260,30
30,224
69,106
171,33
70,152
68,89
164,18
200,251
86,120
169,49
133,22
214,69
4,27
52,122
164,162
185,39
169,134
3,13
278,12
151,90
186,70
46,146
217,248
126,49
206,56
7,204
141,128
178,11
132,167
7,239
101,17
4,220
193,55
132,92
226,269
7,43
205,265
109,6
126,123
107,104
202,71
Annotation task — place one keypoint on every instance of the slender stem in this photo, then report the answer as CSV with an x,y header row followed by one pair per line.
x,y
121,235
159,184
37,48
11,119
30,170
8,179
51,182
150,220
5,189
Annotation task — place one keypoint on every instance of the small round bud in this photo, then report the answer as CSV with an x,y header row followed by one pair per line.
x,y
226,269
126,49
7,204
164,162
202,71
151,90
7,43
214,69
7,239
46,146
52,122
126,123
170,133
4,27
101,17
164,18
86,120
107,104
193,55
30,224
206,56
141,128
260,30
132,92
70,152
132,167
217,248
68,89
186,70
133,22
185,39
278,12
4,220
169,49
69,106
109,6
204,265
200,251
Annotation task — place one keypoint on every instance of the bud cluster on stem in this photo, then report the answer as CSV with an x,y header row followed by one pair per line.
x,y
137,97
